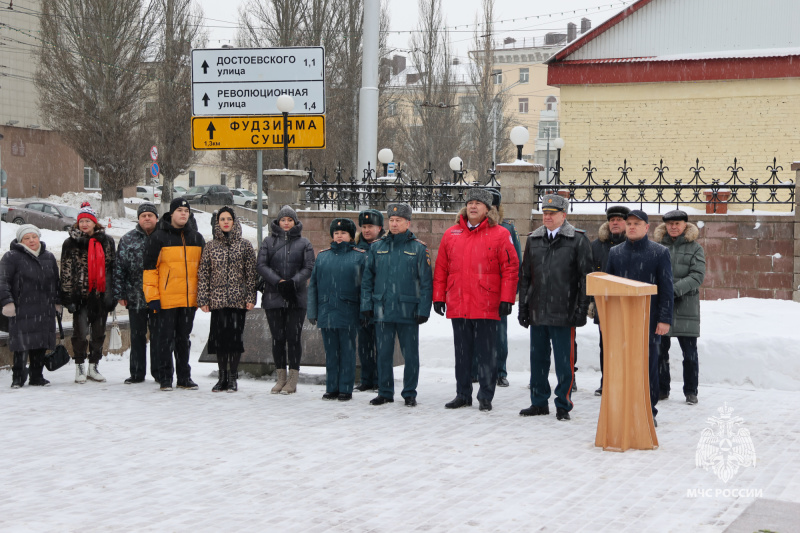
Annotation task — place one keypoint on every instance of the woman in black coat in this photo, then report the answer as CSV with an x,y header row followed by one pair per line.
x,y
285,261
29,288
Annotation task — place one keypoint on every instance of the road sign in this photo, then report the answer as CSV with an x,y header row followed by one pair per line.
x,y
257,133
154,170
390,169
248,81
154,153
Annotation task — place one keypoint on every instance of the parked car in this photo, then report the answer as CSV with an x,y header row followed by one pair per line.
x,y
209,195
151,194
247,198
43,215
176,191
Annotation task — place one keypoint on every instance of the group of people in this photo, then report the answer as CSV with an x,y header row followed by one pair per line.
x,y
368,290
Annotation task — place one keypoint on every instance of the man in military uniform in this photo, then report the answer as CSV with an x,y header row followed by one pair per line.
x,y
371,223
396,293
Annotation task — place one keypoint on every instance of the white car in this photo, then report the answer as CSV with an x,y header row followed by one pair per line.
x,y
151,194
244,197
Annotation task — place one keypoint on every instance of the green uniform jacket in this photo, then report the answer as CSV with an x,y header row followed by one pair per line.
x,y
335,287
688,271
398,280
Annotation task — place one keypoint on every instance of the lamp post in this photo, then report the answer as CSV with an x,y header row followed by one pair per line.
x,y
385,156
558,144
285,105
457,166
519,136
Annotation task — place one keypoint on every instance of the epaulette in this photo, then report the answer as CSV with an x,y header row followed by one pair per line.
x,y
356,250
580,230
325,250
421,242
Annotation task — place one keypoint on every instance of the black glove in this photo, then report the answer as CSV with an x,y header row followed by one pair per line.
x,y
579,318
108,301
286,289
421,319
71,308
312,321
439,308
505,308
366,318
154,305
524,320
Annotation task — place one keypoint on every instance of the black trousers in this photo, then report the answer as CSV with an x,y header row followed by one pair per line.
x,y
37,363
475,337
173,325
140,320
285,326
85,317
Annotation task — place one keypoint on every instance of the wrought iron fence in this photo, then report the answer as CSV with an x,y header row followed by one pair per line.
x,y
697,190
426,194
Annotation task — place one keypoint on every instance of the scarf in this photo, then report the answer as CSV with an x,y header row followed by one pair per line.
x,y
97,266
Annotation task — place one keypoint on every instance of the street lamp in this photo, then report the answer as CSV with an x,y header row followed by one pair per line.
x,y
519,136
457,166
558,144
285,105
385,156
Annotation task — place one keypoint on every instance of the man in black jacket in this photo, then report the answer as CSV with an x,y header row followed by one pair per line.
x,y
553,303
611,233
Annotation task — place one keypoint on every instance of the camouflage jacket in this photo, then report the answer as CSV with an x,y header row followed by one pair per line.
x,y
129,268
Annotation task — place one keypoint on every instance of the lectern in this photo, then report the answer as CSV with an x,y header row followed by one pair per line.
x,y
626,417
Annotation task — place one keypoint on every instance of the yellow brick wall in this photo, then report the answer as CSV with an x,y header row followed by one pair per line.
x,y
753,120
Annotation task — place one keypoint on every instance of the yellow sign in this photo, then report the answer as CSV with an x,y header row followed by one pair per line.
x,y
257,132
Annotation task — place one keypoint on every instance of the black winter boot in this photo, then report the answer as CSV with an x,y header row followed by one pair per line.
x,y
222,364
233,386
37,369
18,370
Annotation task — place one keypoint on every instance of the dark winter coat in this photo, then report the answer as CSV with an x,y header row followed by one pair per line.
x,y
129,269
361,244
171,259
285,255
32,284
334,291
398,281
75,269
600,248
476,269
552,290
648,262
688,270
227,273
514,239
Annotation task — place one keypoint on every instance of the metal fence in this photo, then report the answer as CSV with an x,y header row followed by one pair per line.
x,y
735,190
426,194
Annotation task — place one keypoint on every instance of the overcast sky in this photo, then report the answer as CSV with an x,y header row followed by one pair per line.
x,y
514,18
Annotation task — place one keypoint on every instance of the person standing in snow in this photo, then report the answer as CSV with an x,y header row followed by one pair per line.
x,y
610,234
129,292
475,282
553,302
641,259
688,270
226,286
171,259
371,223
285,261
29,287
87,278
396,293
333,306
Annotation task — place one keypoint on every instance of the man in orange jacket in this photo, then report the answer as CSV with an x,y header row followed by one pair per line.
x,y
475,281
171,260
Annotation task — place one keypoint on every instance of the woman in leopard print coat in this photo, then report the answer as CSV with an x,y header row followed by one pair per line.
x,y
226,286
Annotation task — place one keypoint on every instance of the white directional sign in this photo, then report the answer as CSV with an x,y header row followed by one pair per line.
x,y
248,81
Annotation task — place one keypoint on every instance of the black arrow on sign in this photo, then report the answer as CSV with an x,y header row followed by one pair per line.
x,y
204,66
211,129
205,99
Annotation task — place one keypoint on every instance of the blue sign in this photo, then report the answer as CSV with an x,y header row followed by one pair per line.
x,y
390,168
154,170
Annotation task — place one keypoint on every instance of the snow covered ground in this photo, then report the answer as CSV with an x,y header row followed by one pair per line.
x,y
115,457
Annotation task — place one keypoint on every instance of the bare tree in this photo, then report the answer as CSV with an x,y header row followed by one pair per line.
x,y
92,86
179,31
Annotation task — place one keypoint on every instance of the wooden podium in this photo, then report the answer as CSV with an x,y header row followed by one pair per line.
x,y
626,417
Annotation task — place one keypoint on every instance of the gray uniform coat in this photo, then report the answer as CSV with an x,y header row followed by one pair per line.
x,y
688,270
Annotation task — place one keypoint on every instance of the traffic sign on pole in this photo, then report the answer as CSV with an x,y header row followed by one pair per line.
x,y
257,133
154,153
154,170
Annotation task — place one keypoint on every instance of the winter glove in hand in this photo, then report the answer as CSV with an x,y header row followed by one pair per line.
x,y
524,320
312,321
505,308
421,319
439,308
286,289
592,311
10,310
71,308
366,317
578,318
154,306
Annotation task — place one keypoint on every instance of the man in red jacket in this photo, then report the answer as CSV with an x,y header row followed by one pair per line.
x,y
475,281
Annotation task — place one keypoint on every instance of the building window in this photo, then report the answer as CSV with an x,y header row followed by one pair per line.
x,y
527,157
238,180
223,178
392,109
545,125
497,76
223,156
551,103
91,179
192,178
524,75
466,105
523,105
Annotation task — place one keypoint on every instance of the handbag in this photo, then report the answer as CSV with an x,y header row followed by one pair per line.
x,y
58,357
115,340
